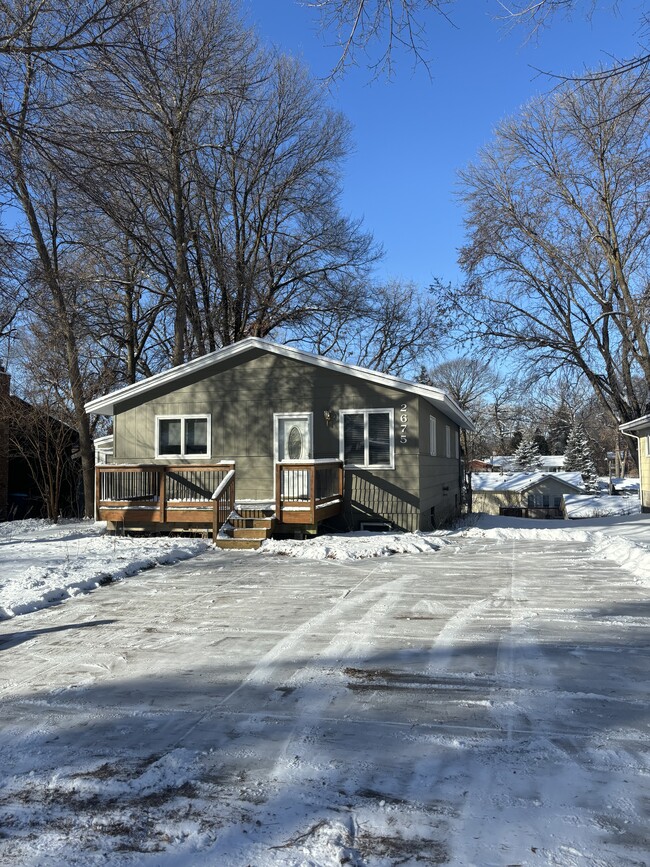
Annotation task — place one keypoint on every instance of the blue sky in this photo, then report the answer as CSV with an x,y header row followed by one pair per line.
x,y
413,133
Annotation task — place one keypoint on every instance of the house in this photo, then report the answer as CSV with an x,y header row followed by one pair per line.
x,y
639,428
523,495
296,441
38,473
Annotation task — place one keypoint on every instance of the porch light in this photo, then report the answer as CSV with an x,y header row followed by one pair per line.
x,y
329,415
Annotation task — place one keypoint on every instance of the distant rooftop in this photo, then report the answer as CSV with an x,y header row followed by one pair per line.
x,y
522,481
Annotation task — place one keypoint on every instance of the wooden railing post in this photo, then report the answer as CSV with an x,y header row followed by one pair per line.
x,y
278,492
215,521
231,501
162,492
312,493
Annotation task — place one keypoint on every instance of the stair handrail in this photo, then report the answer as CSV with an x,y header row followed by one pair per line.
x,y
223,484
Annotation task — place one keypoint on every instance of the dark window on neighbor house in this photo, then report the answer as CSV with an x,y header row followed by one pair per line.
x,y
367,438
542,501
183,436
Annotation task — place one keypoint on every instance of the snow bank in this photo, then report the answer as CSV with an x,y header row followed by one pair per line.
x,y
622,539
357,546
591,506
42,564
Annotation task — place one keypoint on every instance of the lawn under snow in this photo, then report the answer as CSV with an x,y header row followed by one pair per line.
x,y
42,564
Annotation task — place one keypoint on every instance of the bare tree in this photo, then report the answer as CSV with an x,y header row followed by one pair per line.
x,y
58,30
45,444
361,24
273,249
228,184
559,237
146,105
392,327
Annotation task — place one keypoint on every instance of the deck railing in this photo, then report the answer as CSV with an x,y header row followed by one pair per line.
x,y
308,491
158,493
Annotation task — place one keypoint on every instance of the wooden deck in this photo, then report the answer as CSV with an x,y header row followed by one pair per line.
x,y
163,498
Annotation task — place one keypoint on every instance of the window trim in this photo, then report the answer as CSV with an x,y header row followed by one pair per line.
x,y
647,446
433,436
447,441
183,419
366,444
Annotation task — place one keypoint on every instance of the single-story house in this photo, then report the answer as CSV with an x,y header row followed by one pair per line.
x,y
640,429
507,463
523,495
293,439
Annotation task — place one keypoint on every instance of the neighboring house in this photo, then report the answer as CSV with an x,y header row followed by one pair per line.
x,y
523,495
37,466
506,463
4,447
294,438
640,429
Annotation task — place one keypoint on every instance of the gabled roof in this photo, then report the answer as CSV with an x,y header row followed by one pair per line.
x,y
522,482
105,405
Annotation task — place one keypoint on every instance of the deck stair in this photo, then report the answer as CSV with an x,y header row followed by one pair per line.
x,y
246,530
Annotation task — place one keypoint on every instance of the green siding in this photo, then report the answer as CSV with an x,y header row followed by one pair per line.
x,y
439,475
242,395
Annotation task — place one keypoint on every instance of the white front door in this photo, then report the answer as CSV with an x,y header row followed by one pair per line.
x,y
293,437
294,442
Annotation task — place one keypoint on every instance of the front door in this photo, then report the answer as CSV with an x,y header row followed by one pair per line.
x,y
294,442
293,437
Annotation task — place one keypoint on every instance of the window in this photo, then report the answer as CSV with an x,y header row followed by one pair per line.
x,y
367,437
432,436
647,447
543,501
447,441
457,438
183,436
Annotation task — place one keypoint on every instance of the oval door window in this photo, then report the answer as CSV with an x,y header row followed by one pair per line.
x,y
294,443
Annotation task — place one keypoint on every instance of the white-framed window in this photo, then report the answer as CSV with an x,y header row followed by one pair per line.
x,y
433,436
367,438
647,447
447,441
457,438
183,436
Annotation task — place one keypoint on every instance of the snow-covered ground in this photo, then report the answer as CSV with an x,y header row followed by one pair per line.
x,y
42,564
601,506
481,701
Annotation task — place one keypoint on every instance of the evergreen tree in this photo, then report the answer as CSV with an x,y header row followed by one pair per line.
x,y
578,458
527,456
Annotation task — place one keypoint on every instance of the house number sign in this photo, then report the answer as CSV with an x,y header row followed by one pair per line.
x,y
403,423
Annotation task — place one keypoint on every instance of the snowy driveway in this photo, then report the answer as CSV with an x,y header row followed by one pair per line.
x,y
484,705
